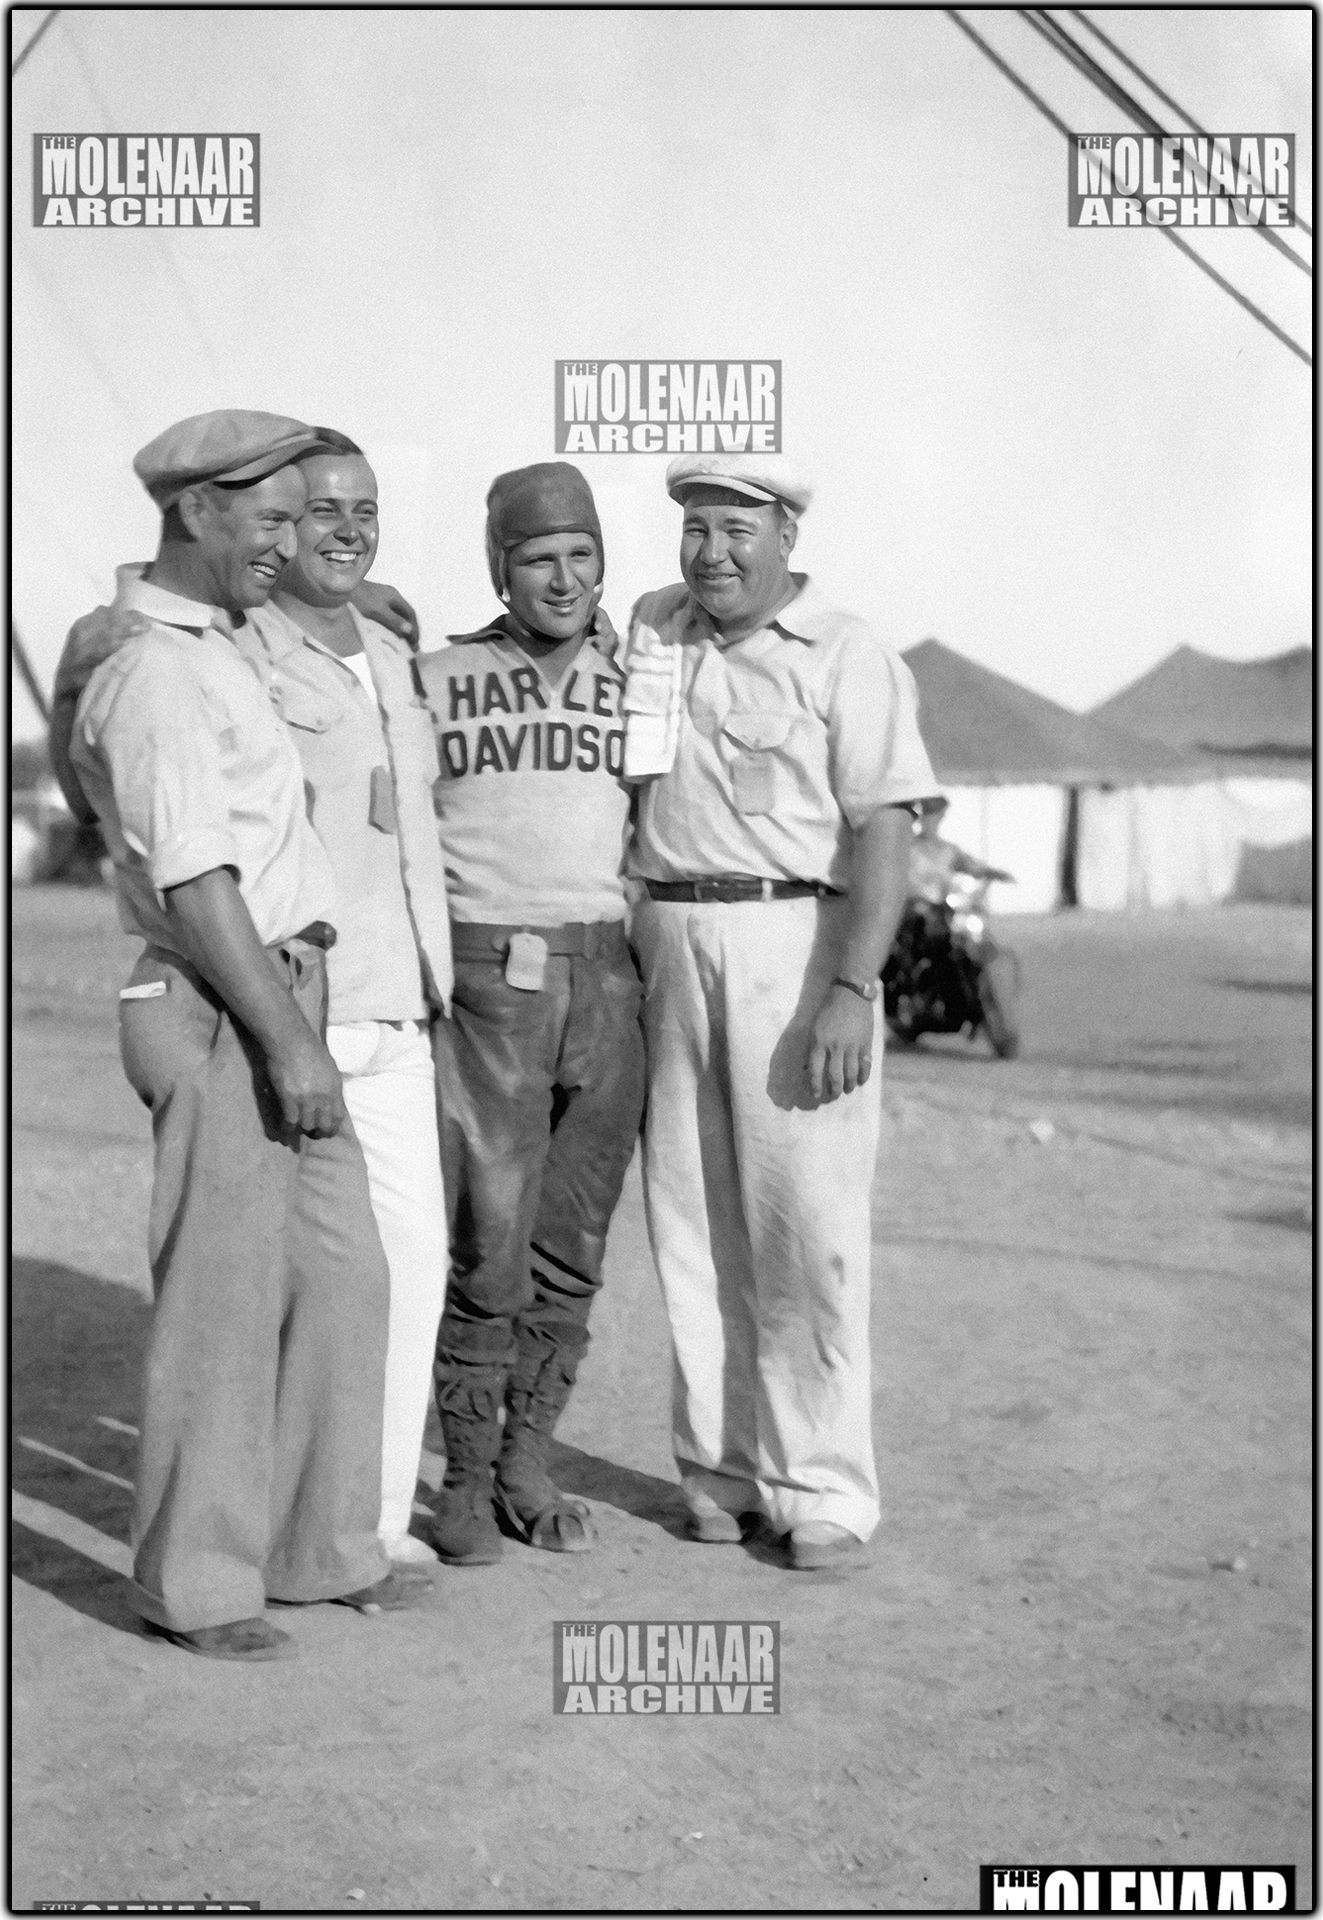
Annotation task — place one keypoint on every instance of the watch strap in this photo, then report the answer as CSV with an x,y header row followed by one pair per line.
x,y
866,991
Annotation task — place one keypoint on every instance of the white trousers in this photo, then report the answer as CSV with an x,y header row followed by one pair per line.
x,y
390,1091
759,1211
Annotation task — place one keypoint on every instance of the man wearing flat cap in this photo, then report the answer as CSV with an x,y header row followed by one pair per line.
x,y
540,1067
776,745
343,684
259,1469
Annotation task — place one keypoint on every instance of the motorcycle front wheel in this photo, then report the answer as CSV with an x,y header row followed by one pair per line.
x,y
998,1022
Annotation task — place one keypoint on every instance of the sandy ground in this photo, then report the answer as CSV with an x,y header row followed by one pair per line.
x,y
1084,1634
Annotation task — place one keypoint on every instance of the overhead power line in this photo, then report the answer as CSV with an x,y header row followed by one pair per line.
x,y
27,255
33,41
182,287
1182,113
1070,50
1022,86
27,675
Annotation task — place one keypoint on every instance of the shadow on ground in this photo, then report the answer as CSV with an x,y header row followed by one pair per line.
x,y
642,1494
76,1360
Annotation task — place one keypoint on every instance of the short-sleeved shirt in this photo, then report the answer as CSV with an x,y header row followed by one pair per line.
x,y
364,738
531,803
189,769
787,742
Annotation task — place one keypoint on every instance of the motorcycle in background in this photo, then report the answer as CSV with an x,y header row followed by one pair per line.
x,y
946,974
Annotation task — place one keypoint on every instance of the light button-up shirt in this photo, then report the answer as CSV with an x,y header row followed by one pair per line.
x,y
369,764
786,742
189,769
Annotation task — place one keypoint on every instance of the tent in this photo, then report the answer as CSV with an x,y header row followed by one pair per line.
x,y
1245,830
1011,760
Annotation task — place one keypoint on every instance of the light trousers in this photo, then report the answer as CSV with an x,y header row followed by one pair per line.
x,y
390,1091
258,1460
758,1203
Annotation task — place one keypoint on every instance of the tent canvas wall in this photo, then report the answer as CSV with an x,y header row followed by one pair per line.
x,y
1244,833
1009,757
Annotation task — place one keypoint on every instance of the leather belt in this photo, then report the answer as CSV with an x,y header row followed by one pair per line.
x,y
477,940
737,887
317,933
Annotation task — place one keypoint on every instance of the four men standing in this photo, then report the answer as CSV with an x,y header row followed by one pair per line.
x,y
773,745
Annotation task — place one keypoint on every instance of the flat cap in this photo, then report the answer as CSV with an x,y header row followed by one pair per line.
x,y
233,445
758,476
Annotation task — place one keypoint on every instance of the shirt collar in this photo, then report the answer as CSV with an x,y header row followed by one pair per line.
x,y
807,617
601,634
278,633
168,609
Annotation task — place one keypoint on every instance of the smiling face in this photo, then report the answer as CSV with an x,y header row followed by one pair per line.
x,y
338,530
550,582
735,554
243,538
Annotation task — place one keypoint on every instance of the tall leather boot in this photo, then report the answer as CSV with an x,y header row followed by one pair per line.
x,y
463,1528
550,1341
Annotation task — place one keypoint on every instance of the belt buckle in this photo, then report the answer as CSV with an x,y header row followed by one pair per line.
x,y
707,890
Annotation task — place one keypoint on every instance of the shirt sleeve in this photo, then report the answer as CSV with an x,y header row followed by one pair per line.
x,y
878,758
147,720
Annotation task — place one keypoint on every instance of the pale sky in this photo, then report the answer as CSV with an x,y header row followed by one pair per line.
x,y
1062,452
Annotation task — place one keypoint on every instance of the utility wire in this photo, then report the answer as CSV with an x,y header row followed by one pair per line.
x,y
38,274
48,520
1071,50
1023,87
185,292
19,655
1153,87
33,41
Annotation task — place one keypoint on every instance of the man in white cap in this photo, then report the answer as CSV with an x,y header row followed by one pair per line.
x,y
259,1469
776,744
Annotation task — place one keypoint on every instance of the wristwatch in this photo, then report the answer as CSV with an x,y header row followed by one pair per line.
x,y
866,990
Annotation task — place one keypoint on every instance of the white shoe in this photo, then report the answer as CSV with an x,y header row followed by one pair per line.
x,y
820,1543
712,1524
409,1550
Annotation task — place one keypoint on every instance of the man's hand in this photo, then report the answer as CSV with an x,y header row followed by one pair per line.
x,y
306,1081
91,640
840,1055
388,606
215,931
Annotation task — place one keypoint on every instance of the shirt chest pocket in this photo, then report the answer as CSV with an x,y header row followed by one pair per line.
x,y
301,707
316,726
759,746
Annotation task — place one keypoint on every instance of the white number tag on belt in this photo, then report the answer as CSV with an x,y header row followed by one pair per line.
x,y
149,990
526,961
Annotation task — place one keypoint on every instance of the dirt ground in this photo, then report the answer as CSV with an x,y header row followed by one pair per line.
x,y
1085,1632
